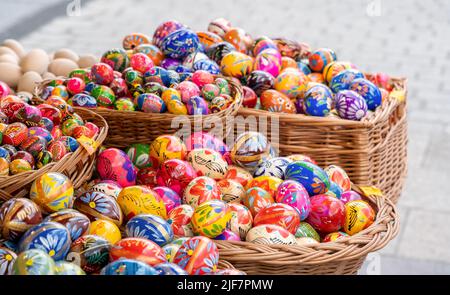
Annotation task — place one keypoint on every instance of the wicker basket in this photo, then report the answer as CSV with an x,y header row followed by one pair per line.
x,y
344,256
78,166
127,127
372,151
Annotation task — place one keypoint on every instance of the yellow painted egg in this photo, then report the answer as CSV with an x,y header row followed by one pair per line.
x,y
359,215
134,200
4,167
166,147
170,94
210,218
105,229
268,183
231,190
176,107
236,64
53,192
19,166
208,162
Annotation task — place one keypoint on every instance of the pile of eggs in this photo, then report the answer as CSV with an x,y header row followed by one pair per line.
x,y
33,136
157,208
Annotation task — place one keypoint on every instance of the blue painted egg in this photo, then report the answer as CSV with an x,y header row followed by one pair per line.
x,y
150,227
7,258
304,68
84,100
128,267
90,86
335,190
70,143
317,101
180,43
40,131
51,237
192,58
197,105
150,103
369,91
155,74
272,167
343,80
46,123
312,177
168,268
172,78
207,65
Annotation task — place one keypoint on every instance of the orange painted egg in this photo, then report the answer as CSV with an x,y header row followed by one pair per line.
x,y
268,183
139,249
359,215
279,214
198,255
275,101
339,176
238,174
257,198
236,64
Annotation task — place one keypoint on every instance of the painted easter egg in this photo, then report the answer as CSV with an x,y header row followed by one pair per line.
x,y
236,64
339,176
139,249
76,222
223,85
300,157
317,101
84,100
220,103
187,90
261,44
350,105
180,43
34,262
170,198
52,191
51,237
238,38
231,190
19,166
270,234
134,79
249,149
106,229
83,74
153,52
313,178
192,58
331,237
169,94
133,40
104,95
176,107
29,115
210,91
327,213
369,91
166,147
7,259
54,111
141,62
139,154
335,190
180,220
34,144
4,167
208,162
198,255
219,26
249,99
102,73
274,101
210,218
114,164
165,29
150,227
200,190
272,167
334,68
201,139
116,58
278,214
175,174
207,65
292,193
291,83
257,198
268,183
169,269
90,252
268,60
64,268
306,230
75,85
349,196
128,267
17,215
97,205
107,187
228,235
197,105
124,104
23,155
241,220
135,200
217,51
359,215
238,174
320,58
150,103
171,249
343,80
15,134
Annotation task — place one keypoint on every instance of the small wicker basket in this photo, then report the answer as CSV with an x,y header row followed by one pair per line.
x,y
78,166
344,256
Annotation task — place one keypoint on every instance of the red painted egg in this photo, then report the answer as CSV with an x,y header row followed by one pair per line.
x,y
139,249
176,174
327,213
179,219
279,214
198,255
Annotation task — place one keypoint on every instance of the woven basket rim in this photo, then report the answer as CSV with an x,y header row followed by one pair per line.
x,y
69,160
375,237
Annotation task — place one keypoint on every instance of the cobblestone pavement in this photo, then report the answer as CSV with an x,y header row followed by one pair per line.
x,y
403,38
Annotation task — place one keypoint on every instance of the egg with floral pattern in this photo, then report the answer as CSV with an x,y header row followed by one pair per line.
x,y
166,147
268,60
175,174
236,64
313,178
292,193
279,214
108,187
270,234
369,91
171,249
90,252
150,227
350,105
99,205
128,267
241,220
52,191
76,222
170,198
291,82
238,174
34,262
198,255
272,167
135,200
180,220
165,29
257,198
180,43
210,218
275,101
317,101
268,183
339,176
327,213
114,164
231,190
343,80
200,190
7,259
139,249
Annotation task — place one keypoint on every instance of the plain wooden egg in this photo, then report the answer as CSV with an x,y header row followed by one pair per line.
x,y
86,61
66,53
7,50
62,66
9,58
16,46
48,75
10,74
29,81
36,60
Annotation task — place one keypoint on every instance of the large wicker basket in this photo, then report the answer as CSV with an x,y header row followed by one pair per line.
x,y
344,256
78,166
372,151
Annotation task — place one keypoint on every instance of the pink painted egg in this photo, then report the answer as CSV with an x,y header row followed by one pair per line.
x,y
292,193
201,139
170,198
200,190
175,174
349,196
141,62
201,78
268,60
327,213
188,90
114,164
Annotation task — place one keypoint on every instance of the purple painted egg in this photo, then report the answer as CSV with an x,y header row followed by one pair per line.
x,y
268,60
170,63
349,196
292,193
169,196
228,235
197,105
114,164
350,105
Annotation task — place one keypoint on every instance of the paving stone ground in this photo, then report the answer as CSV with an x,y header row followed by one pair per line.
x,y
403,38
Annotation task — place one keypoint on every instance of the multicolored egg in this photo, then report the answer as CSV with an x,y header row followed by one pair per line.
x,y
241,220
166,147
200,139
268,183
176,107
135,200
320,58
200,190
331,237
180,43
76,222
327,213
150,103
270,234
250,148
291,82
175,174
231,190
106,229
97,205
350,105
208,162
169,269
114,164
147,176
219,26
139,249
334,68
90,252
15,134
349,196
197,105
359,215
108,187
165,29
102,73
339,176
171,249
128,267
257,198
268,60
238,174
84,100
153,52
170,198
236,64
275,101
139,154
369,91
52,191
7,259
64,268
133,40
306,230
198,255
318,100
150,227
292,193
210,218
228,235
217,51
279,214
116,58
272,167
343,80
313,178
34,262
180,220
